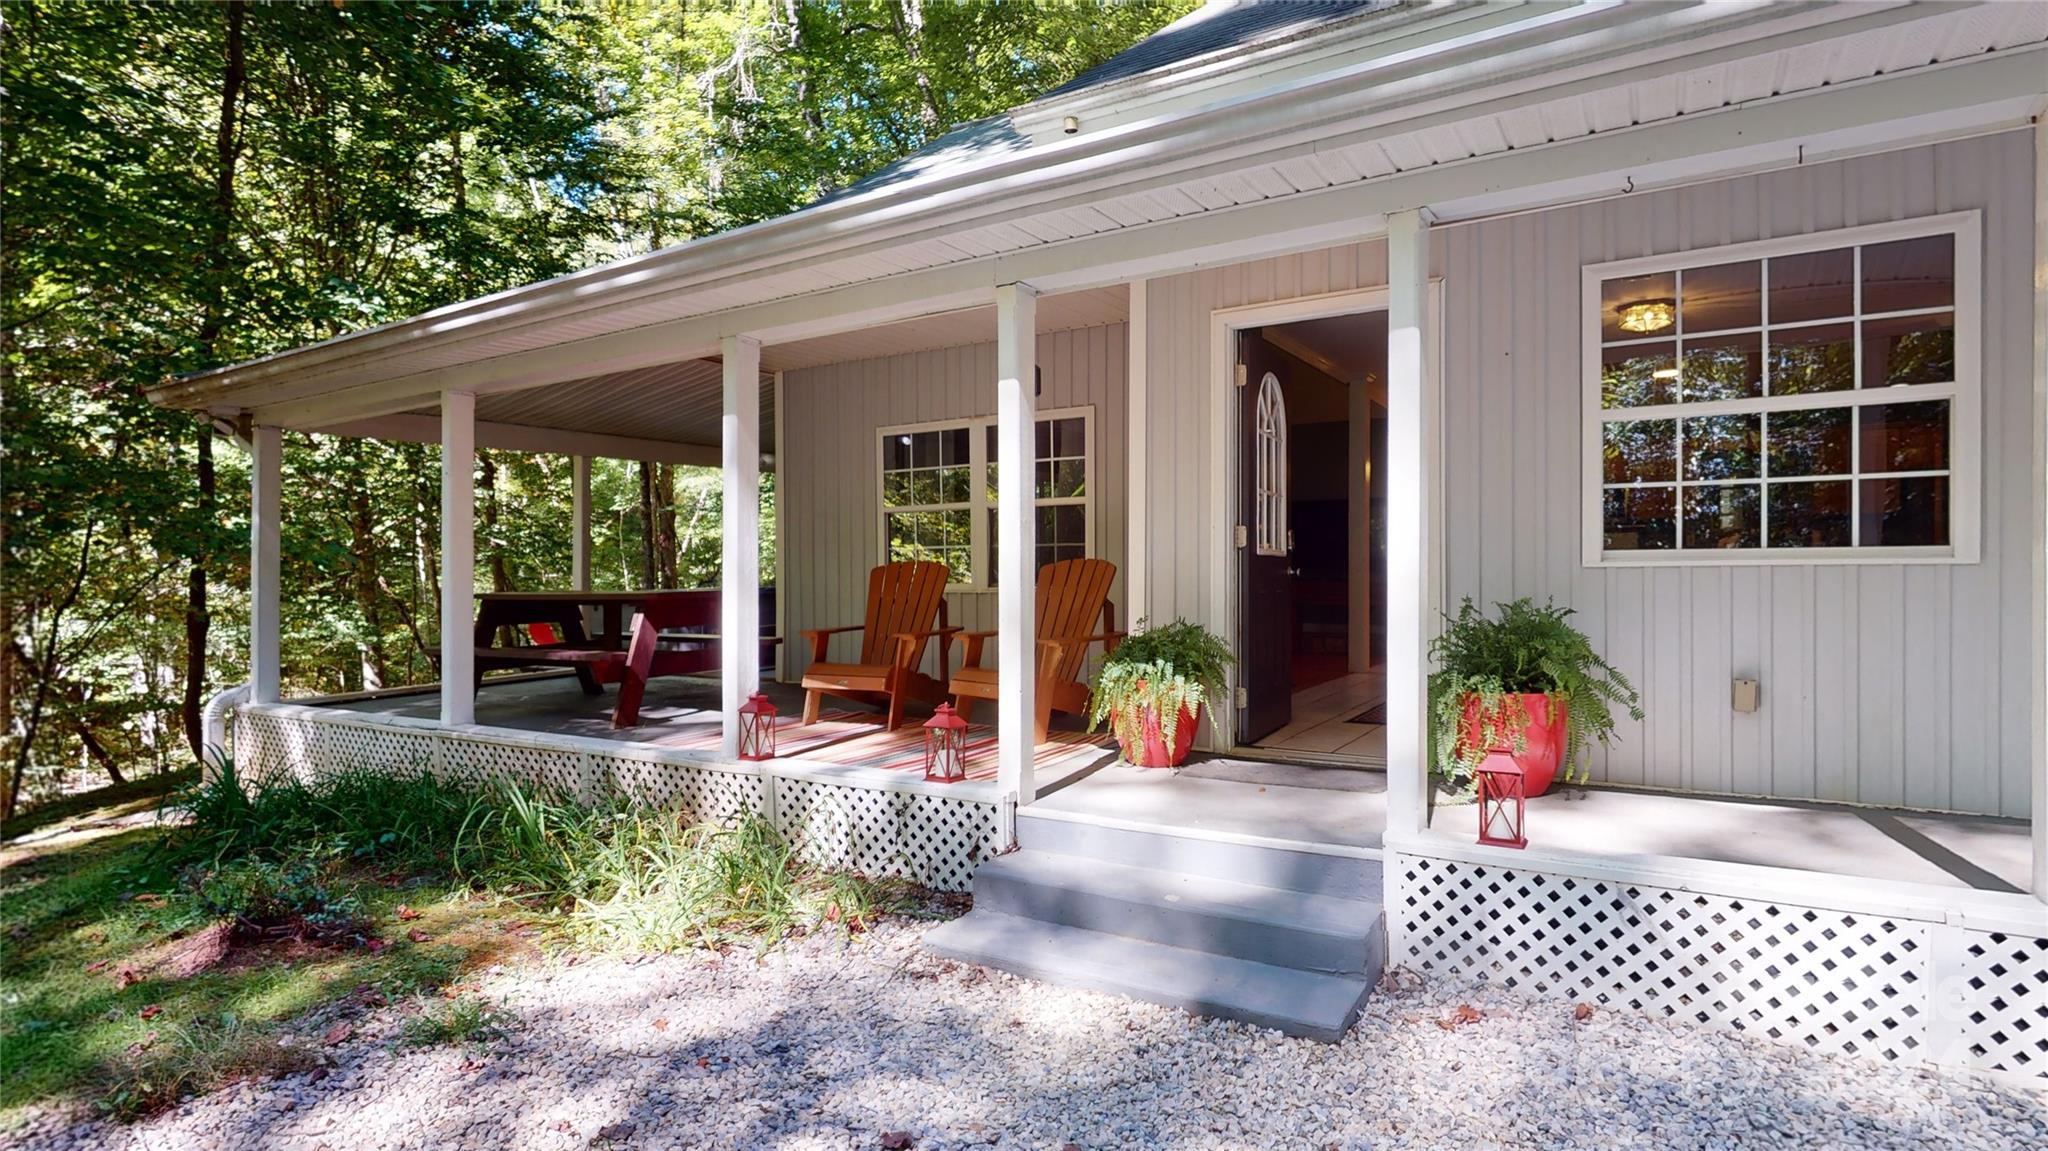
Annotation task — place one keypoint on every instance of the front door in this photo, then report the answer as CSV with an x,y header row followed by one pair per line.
x,y
1265,628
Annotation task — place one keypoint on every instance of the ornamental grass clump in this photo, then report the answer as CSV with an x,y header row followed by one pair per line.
x,y
1157,671
1494,661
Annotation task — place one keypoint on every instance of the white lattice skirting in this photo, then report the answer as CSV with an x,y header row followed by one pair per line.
x,y
1882,986
876,823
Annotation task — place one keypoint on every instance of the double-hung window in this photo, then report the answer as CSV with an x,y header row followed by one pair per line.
x,y
938,495
1801,400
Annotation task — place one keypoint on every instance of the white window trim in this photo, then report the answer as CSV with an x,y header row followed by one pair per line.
x,y
979,505
1964,395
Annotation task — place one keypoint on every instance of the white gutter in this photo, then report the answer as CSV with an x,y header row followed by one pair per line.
x,y
1548,47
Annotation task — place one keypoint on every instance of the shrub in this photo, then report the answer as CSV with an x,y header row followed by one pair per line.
x,y
620,875
260,894
351,814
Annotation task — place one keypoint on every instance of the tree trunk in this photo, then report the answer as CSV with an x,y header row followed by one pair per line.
x,y
665,538
364,578
647,572
501,576
226,147
46,675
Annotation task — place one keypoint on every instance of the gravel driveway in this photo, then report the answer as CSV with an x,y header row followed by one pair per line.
x,y
825,1046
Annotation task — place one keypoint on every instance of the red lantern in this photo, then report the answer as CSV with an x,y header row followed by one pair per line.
x,y
945,746
757,728
1503,806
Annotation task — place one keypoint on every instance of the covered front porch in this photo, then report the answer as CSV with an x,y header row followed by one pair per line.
x,y
1276,800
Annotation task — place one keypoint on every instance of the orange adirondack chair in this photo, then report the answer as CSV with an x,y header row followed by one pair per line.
x,y
1072,594
903,600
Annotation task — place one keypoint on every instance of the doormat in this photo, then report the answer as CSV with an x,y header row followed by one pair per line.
x,y
1376,714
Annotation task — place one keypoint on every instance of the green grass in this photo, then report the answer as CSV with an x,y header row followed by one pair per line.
x,y
70,921
334,864
115,799
463,1019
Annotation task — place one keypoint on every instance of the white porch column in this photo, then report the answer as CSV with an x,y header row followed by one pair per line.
x,y
458,557
1409,480
266,477
1016,536
579,516
739,581
2038,693
1137,503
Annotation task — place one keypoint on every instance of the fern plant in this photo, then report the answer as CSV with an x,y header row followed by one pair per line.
x,y
1523,650
1160,670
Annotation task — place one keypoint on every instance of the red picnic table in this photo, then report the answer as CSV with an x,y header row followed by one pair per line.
x,y
673,633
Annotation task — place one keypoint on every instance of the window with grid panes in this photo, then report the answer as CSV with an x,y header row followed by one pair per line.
x,y
933,509
1791,399
928,498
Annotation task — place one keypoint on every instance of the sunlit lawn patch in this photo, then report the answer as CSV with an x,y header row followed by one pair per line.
x,y
148,964
102,1004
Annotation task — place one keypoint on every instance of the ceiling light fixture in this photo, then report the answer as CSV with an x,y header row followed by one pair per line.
x,y
1648,315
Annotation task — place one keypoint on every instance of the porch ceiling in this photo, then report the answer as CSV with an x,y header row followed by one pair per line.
x,y
682,403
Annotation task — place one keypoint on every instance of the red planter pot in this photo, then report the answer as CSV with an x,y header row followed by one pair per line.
x,y
1543,746
1153,751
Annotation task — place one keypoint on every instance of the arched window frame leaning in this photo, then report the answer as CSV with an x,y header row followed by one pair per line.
x,y
1270,452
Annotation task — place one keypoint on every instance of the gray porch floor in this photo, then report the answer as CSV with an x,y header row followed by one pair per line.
x,y
681,713
1347,807
1329,805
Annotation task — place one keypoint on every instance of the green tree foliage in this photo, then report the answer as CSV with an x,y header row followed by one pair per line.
x,y
187,185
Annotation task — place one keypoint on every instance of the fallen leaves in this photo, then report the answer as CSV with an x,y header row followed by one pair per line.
x,y
895,1140
151,1011
417,936
661,1024
407,913
1582,1012
96,968
616,1131
337,1033
1465,1014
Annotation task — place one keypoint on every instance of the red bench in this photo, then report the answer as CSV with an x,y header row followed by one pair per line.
x,y
666,639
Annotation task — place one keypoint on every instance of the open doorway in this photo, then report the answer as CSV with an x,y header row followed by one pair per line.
x,y
1311,640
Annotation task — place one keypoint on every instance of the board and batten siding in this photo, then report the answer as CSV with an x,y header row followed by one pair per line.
x,y
1894,684
1179,521
831,471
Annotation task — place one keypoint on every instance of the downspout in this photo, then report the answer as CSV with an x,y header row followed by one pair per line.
x,y
213,727
213,721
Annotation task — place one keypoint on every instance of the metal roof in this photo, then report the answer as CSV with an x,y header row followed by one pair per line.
x,y
1218,26
1410,100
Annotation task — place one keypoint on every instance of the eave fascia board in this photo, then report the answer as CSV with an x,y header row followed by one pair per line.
x,y
948,200
1726,142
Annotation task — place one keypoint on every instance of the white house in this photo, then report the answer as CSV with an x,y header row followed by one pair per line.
x,y
1725,324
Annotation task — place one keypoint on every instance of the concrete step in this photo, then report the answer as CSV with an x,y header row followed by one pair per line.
x,y
1318,933
1311,872
1304,1003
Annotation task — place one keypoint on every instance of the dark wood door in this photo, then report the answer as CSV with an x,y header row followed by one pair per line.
x,y
1265,628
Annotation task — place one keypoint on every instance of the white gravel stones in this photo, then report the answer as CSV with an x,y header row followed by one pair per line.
x,y
821,1046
